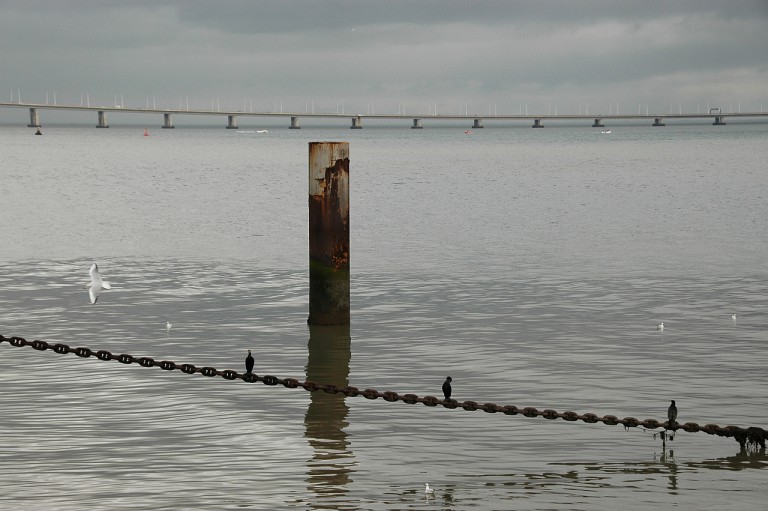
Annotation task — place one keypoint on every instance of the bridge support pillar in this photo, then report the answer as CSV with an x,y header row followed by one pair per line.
x,y
232,122
719,121
168,121
357,123
478,124
658,121
294,124
328,233
416,124
34,119
537,124
598,123
102,120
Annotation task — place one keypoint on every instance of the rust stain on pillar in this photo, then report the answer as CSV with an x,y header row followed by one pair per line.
x,y
328,233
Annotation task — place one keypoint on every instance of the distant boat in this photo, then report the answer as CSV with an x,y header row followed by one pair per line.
x,y
468,132
262,131
605,131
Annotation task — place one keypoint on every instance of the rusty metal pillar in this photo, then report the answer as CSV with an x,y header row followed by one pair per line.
x,y
328,233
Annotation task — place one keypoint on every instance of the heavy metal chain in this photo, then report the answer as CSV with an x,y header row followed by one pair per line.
x,y
752,436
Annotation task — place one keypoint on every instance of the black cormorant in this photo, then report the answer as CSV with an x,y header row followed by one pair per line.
x,y
249,363
672,413
447,387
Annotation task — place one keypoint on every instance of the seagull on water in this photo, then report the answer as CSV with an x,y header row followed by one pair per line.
x,y
660,327
733,317
168,326
447,387
96,285
428,490
249,363
672,413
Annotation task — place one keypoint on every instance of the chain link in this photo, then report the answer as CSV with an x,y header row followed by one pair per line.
x,y
752,436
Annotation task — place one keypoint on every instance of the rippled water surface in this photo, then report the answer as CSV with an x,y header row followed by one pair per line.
x,y
530,265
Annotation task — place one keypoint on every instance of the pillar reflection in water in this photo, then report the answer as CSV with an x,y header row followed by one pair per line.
x,y
329,469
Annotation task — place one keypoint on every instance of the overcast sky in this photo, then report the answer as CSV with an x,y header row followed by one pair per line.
x,y
390,54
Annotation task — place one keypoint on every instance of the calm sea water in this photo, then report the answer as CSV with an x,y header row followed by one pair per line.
x,y
530,265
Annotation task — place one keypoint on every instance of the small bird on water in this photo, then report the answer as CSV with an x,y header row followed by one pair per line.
x,y
660,327
428,490
249,363
168,326
447,387
672,413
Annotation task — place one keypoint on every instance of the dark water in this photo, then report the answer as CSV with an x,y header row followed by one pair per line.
x,y
530,265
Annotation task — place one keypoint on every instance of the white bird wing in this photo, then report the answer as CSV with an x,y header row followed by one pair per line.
x,y
96,284
93,292
95,276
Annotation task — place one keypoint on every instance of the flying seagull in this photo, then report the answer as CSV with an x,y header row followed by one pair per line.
x,y
96,285
672,413
447,387
249,363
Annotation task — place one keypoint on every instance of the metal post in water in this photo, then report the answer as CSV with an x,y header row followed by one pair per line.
x,y
328,233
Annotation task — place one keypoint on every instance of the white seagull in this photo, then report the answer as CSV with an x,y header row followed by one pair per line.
x,y
660,327
168,325
428,490
96,285
733,317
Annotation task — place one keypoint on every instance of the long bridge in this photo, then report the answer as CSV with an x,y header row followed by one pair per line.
x,y
597,120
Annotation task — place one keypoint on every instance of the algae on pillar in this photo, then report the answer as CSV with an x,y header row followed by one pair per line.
x,y
328,233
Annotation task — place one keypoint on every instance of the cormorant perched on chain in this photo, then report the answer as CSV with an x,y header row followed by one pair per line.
x,y
447,387
672,414
249,363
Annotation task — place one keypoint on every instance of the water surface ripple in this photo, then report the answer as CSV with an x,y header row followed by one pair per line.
x,y
531,266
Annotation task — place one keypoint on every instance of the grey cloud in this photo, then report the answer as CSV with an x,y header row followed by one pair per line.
x,y
386,51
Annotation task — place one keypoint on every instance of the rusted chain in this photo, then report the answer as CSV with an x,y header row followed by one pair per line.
x,y
745,436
